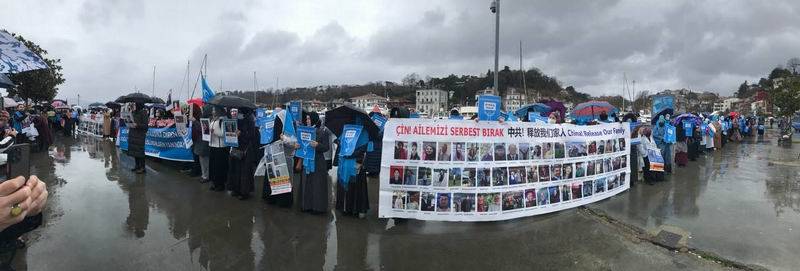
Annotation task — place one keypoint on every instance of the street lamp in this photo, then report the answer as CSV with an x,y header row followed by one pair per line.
x,y
495,8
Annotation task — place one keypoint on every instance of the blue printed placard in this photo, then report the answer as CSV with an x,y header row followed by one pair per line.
x,y
688,128
349,140
669,135
296,109
266,128
488,107
379,120
305,135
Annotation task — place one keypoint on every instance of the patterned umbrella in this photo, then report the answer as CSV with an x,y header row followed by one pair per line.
x,y
591,110
686,117
522,112
15,57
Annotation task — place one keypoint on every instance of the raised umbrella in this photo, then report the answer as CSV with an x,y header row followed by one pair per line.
x,y
556,106
337,118
5,82
665,112
9,102
92,105
195,101
113,105
135,98
15,57
686,117
157,100
231,102
522,112
591,110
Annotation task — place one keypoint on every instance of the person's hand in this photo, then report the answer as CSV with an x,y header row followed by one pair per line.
x,y
13,192
313,143
238,132
11,132
501,120
296,146
38,196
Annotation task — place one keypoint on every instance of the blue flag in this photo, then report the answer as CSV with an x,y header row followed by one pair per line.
x,y
488,107
305,135
288,125
208,93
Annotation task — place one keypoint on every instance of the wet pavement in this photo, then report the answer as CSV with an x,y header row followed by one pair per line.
x,y
101,216
741,203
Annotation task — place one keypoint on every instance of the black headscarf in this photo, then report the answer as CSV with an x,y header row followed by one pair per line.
x,y
314,118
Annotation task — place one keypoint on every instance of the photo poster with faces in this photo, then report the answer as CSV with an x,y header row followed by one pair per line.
x,y
126,112
205,129
452,170
273,166
229,127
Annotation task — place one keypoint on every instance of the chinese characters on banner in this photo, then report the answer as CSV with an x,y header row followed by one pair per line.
x,y
467,171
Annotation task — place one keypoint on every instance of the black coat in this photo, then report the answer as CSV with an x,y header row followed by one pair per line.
x,y
137,135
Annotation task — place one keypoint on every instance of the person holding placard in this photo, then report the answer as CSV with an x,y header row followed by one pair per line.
x,y
136,137
218,159
242,158
314,181
200,147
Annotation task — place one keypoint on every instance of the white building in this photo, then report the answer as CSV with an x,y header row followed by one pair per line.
x,y
432,101
367,102
727,104
513,100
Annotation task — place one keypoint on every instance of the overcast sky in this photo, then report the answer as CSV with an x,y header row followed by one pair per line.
x,y
108,47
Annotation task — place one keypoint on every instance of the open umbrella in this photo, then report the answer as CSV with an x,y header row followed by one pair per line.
x,y
336,118
591,110
522,112
556,106
135,98
197,101
157,100
665,112
8,102
5,82
15,57
113,105
686,117
92,105
231,101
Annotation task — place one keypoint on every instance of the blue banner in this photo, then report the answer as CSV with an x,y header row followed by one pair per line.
x,y
164,143
296,109
660,103
349,140
488,107
688,128
266,127
305,135
669,135
379,120
456,117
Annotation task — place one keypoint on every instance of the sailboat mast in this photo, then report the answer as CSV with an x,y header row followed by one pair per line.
x,y
524,87
153,90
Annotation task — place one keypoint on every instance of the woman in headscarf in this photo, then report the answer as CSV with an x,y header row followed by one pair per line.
x,y
242,158
218,159
717,132
645,136
200,147
659,134
136,136
314,182
285,199
681,146
708,135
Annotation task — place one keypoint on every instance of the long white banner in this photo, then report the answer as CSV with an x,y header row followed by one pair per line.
x,y
460,170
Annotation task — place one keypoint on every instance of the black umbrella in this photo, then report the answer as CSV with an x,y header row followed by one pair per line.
x,y
113,105
5,82
135,98
96,105
231,102
664,113
336,118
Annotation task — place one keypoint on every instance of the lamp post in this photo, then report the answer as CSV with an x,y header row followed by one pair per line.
x,y
495,8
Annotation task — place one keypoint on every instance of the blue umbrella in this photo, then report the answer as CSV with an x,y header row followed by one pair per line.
x,y
15,57
522,112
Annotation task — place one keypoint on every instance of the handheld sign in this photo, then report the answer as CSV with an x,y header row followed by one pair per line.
x,y
305,135
488,107
295,108
379,120
349,140
266,128
229,126
688,128
669,135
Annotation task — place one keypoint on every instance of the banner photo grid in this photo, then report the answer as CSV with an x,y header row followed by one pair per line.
x,y
454,170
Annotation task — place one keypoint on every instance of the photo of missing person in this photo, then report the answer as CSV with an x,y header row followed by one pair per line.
x,y
424,176
609,147
413,153
399,200
412,201
615,163
601,147
567,171
623,161
516,175
499,151
547,151
396,175
555,194
524,151
544,173
487,152
616,143
531,174
512,154
429,151
489,202
622,179
576,149
577,190
455,177
559,150
555,173
588,188
443,202
580,169
598,166
484,177
589,168
427,201
592,149
444,151
612,182
566,193
410,176
468,177
439,177
499,176
622,144
607,165
512,200
463,202
400,151
458,152
530,198
600,185
473,152
536,152
542,196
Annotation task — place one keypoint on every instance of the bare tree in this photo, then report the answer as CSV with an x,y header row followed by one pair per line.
x,y
793,64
